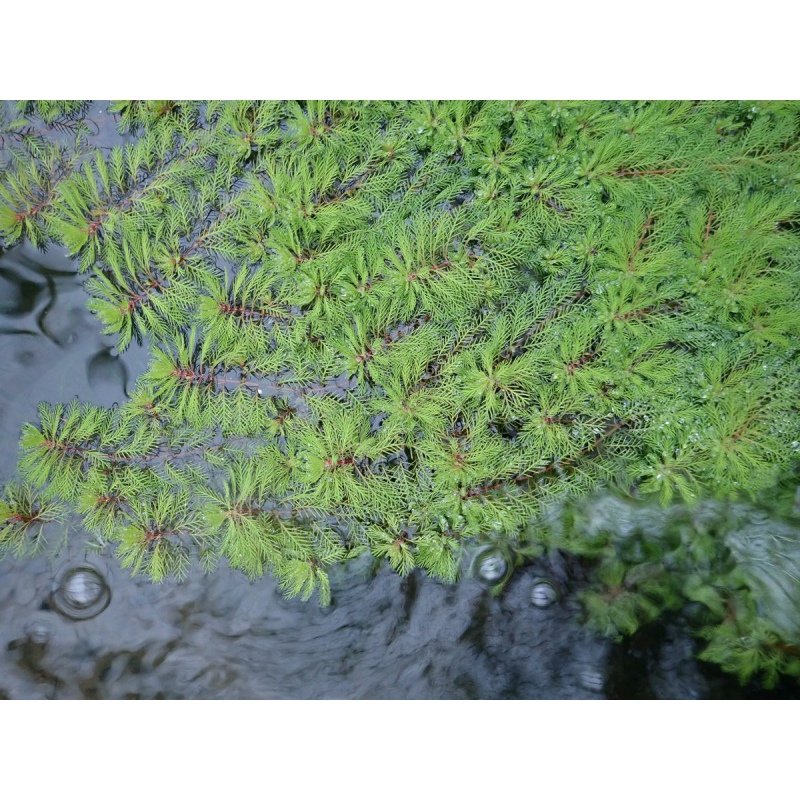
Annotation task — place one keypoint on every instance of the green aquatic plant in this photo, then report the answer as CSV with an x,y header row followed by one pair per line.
x,y
407,328
731,568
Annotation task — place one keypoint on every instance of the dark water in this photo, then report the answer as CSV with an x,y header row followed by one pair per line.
x,y
219,636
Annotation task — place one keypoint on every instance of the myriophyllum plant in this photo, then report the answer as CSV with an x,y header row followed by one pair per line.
x,y
405,327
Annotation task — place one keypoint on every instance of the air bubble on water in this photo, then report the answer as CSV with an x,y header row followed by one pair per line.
x,y
83,588
490,566
80,593
493,568
544,593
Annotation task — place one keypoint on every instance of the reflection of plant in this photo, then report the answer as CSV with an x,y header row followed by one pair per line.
x,y
405,328
710,559
629,597
750,648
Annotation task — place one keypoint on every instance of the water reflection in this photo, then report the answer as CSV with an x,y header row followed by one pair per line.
x,y
768,556
53,347
593,680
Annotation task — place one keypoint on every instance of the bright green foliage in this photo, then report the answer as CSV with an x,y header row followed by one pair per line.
x,y
23,515
404,327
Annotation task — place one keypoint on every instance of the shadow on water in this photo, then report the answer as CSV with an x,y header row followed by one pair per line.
x,y
219,636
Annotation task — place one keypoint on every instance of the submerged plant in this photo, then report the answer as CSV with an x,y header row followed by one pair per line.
x,y
732,569
407,327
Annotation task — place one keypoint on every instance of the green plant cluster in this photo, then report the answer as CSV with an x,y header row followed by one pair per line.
x,y
408,327
733,569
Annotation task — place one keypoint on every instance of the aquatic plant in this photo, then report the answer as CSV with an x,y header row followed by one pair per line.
x,y
732,569
409,327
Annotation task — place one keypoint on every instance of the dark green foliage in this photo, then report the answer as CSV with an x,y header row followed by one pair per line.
x,y
733,568
403,327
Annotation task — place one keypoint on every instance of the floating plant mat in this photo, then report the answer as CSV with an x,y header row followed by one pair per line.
x,y
406,328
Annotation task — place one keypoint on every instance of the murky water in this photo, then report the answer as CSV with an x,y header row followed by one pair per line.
x,y
77,626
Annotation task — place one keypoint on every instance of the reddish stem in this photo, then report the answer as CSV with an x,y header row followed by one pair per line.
x,y
637,173
647,225
135,300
